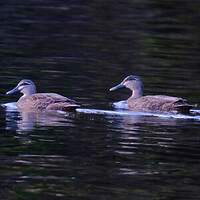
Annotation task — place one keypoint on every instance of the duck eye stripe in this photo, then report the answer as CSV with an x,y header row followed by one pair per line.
x,y
25,83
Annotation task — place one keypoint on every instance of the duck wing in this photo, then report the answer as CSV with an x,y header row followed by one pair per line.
x,y
160,103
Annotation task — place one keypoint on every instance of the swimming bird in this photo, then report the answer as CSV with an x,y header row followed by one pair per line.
x,y
40,101
151,103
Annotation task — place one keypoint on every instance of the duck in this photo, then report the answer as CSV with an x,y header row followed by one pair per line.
x,y
151,103
33,101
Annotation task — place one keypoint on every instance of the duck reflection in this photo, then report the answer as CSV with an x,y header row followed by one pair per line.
x,y
21,120
138,121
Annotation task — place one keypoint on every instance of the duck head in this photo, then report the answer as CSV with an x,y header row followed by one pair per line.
x,y
132,82
26,87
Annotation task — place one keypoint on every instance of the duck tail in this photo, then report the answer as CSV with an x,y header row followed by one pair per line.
x,y
71,108
184,109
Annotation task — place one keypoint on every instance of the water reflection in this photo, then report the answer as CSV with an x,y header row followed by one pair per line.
x,y
21,120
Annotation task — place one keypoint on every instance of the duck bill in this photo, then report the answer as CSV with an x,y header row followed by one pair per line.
x,y
117,87
13,91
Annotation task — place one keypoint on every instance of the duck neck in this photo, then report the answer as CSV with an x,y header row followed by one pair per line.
x,y
29,91
136,94
137,91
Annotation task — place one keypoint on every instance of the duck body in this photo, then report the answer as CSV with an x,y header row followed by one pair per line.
x,y
159,103
32,101
46,101
151,103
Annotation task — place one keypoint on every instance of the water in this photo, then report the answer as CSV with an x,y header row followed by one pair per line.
x,y
81,49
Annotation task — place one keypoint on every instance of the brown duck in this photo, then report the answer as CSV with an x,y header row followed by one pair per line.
x,y
151,103
40,101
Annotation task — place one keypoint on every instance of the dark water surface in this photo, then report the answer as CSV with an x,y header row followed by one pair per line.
x,y
80,49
